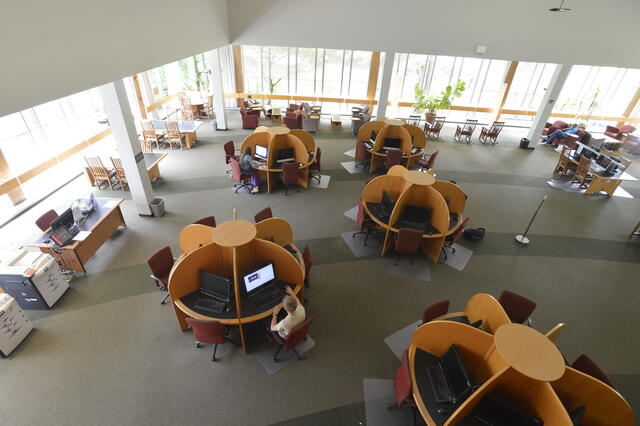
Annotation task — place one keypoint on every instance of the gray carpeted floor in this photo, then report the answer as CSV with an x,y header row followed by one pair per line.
x,y
109,353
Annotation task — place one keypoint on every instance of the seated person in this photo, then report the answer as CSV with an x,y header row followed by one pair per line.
x,y
249,166
254,103
295,314
561,134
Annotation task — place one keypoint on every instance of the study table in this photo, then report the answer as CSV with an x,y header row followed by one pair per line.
x,y
233,249
515,362
151,162
600,183
188,128
101,222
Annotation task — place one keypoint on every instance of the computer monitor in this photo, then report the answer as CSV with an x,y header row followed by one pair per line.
x,y
416,213
392,143
603,161
387,202
256,280
262,152
493,410
63,221
215,286
285,154
460,384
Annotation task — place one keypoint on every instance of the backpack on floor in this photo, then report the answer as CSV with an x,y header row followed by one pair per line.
x,y
474,234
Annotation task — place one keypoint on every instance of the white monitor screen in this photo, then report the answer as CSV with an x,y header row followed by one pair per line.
x,y
257,279
261,151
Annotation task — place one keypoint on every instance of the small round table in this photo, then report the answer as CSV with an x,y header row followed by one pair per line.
x,y
234,233
529,352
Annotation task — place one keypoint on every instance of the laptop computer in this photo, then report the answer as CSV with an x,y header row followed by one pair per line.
x,y
450,381
215,292
382,210
262,287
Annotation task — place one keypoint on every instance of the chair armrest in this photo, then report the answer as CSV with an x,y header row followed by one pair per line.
x,y
547,125
612,129
158,279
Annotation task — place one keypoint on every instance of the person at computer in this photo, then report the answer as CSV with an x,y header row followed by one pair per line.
x,y
295,314
254,104
561,134
249,166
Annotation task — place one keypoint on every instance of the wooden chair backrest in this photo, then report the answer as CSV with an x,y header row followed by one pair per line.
x,y
605,152
146,146
117,165
414,119
496,128
146,125
149,135
172,129
625,163
437,125
98,170
583,166
469,126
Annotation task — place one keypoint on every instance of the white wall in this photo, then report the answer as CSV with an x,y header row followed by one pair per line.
x,y
53,48
596,32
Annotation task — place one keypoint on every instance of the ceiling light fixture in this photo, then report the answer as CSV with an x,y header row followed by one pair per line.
x,y
560,9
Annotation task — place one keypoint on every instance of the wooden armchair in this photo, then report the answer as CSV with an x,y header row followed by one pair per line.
x,y
466,130
491,133
435,128
122,177
414,120
100,173
151,135
564,163
582,176
173,134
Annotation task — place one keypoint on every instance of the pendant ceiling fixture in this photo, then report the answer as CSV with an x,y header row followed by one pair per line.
x,y
560,9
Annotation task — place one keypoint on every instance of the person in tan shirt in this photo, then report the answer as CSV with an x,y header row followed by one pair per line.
x,y
295,314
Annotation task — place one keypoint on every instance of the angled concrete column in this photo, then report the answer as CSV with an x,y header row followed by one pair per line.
x,y
385,83
217,87
116,106
548,101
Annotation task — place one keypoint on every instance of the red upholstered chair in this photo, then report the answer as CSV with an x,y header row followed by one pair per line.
x,y
44,221
363,157
160,265
316,166
366,226
619,133
249,121
451,239
517,307
631,144
293,108
428,163
230,152
408,242
403,387
550,128
435,310
207,221
263,214
292,340
394,157
289,176
209,331
308,262
293,120
570,141
586,365
241,180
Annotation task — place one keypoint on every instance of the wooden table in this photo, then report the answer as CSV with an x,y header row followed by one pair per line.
x,y
102,222
188,128
336,122
151,161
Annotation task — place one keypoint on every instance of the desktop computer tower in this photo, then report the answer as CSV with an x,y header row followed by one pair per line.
x,y
32,278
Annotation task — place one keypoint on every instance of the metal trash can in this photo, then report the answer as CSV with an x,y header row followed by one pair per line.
x,y
215,124
157,207
524,143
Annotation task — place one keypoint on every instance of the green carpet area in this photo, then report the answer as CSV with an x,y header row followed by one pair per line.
x,y
110,354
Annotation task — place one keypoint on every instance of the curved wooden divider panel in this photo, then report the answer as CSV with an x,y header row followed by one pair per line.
x,y
485,307
604,405
397,170
372,192
194,236
275,229
364,134
398,132
453,195
256,138
306,138
418,137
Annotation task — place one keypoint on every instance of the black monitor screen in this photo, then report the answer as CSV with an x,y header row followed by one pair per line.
x,y
392,142
417,213
63,221
603,161
285,153
215,286
387,202
457,377
495,411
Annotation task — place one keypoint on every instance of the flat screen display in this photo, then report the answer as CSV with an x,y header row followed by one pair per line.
x,y
261,151
255,280
215,286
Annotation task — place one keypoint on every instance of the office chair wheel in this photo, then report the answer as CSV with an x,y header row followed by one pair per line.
x,y
197,344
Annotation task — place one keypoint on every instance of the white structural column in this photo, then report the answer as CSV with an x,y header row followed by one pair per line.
x,y
548,101
116,106
385,84
217,85
147,93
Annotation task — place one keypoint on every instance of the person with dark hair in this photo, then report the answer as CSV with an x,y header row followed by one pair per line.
x,y
249,167
561,134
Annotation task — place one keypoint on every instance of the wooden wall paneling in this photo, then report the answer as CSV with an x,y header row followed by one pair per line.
x,y
453,193
239,71
306,138
278,229
373,75
138,92
418,137
194,236
485,307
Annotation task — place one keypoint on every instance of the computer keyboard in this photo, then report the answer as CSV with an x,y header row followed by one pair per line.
x,y
268,298
210,305
439,385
